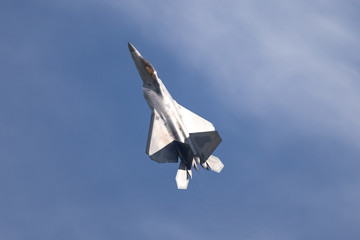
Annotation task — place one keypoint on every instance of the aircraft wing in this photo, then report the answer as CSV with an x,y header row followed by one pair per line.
x,y
160,144
193,122
202,133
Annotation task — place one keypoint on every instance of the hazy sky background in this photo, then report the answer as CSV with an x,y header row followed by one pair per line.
x,y
280,80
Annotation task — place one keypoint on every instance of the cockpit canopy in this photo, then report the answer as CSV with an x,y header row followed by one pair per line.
x,y
149,68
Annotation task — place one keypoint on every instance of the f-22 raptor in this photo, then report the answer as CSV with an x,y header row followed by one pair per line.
x,y
175,132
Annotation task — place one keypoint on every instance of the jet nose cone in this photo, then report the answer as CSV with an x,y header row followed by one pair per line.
x,y
134,52
131,47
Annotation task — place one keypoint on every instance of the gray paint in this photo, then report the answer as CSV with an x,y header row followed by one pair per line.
x,y
175,132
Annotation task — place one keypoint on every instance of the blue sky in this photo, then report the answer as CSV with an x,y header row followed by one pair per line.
x,y
278,79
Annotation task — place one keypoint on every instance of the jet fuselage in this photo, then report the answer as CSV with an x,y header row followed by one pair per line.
x,y
175,132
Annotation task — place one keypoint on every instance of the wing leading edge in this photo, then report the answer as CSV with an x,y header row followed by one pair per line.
x,y
194,123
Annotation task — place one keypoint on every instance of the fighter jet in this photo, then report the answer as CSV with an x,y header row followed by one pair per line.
x,y
175,132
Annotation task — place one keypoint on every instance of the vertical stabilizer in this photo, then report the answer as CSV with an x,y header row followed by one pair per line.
x,y
182,176
214,164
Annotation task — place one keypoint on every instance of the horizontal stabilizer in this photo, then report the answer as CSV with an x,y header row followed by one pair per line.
x,y
214,164
167,154
182,176
205,144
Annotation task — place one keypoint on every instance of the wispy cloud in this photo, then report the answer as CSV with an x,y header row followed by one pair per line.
x,y
297,59
71,139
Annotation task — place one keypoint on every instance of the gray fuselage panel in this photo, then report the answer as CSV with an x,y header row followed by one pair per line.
x,y
160,100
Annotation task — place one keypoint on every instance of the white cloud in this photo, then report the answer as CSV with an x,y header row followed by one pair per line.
x,y
297,59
